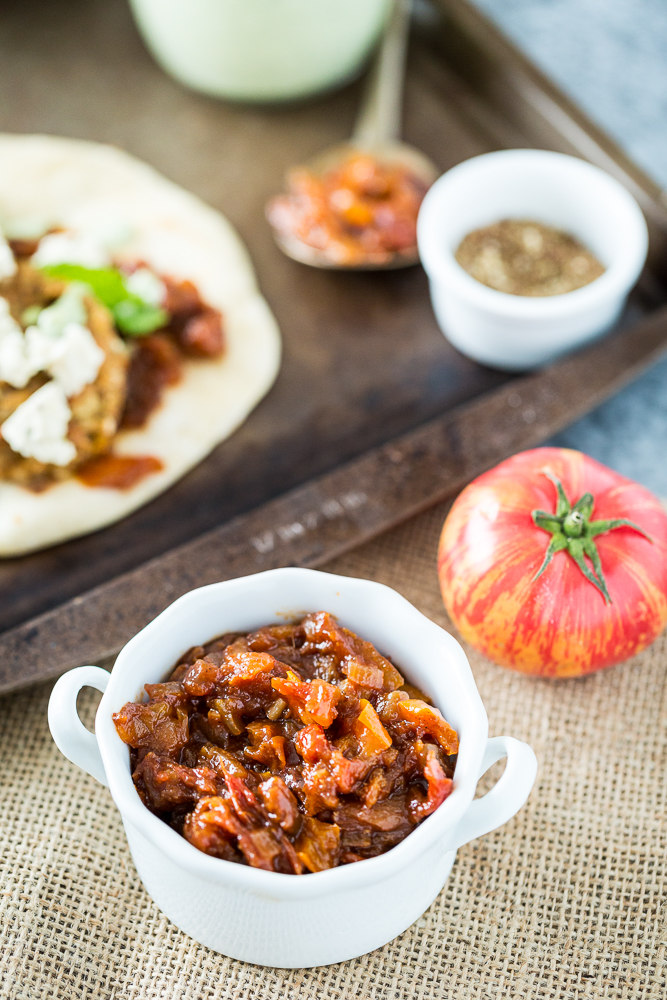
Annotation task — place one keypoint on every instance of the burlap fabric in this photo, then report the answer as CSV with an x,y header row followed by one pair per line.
x,y
566,901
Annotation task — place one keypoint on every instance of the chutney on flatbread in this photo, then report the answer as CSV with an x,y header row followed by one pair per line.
x,y
133,338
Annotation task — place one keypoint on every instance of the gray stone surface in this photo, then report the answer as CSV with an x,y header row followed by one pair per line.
x,y
611,57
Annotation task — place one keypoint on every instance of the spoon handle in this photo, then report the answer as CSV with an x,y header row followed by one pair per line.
x,y
379,119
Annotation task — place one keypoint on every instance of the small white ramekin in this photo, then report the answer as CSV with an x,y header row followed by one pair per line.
x,y
516,332
294,921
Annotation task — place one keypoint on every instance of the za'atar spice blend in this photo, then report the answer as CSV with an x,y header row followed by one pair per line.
x,y
522,257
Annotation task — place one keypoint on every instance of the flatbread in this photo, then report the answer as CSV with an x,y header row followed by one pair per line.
x,y
47,181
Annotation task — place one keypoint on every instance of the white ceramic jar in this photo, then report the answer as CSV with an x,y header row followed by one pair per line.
x,y
260,50
516,332
293,921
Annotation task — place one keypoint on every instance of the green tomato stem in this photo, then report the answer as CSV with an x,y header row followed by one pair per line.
x,y
574,532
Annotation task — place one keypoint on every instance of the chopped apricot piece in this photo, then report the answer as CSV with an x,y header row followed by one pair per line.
x,y
313,701
267,744
439,786
370,732
314,747
200,679
248,666
430,720
209,828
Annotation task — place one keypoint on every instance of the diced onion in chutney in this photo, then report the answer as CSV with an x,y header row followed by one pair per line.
x,y
293,748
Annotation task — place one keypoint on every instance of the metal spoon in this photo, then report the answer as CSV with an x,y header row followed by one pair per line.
x,y
377,133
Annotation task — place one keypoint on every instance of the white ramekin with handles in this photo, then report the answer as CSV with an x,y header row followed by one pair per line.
x,y
268,918
518,332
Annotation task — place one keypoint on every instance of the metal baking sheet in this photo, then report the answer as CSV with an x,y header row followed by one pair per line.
x,y
365,366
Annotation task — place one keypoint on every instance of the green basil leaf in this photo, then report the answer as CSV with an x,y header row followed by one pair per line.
x,y
106,283
136,318
132,315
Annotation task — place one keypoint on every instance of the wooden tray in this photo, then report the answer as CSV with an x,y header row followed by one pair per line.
x,y
371,398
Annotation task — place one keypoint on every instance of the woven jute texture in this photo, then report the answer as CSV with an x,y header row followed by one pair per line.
x,y
565,901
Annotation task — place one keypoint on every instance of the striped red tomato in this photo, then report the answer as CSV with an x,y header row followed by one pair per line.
x,y
545,580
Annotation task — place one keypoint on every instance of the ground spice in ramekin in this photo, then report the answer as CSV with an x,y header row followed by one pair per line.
x,y
522,257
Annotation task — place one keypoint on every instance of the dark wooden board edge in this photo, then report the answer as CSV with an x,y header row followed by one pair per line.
x,y
337,511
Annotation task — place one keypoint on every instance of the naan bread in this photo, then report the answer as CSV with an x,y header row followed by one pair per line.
x,y
47,181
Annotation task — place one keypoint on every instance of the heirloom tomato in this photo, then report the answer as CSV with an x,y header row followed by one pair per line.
x,y
554,564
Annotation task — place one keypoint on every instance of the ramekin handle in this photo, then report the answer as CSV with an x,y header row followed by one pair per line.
x,y
71,737
508,794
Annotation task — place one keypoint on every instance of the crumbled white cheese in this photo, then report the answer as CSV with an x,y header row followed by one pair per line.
x,y
147,286
7,262
6,318
58,344
38,427
15,365
62,345
69,308
76,358
41,350
71,248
